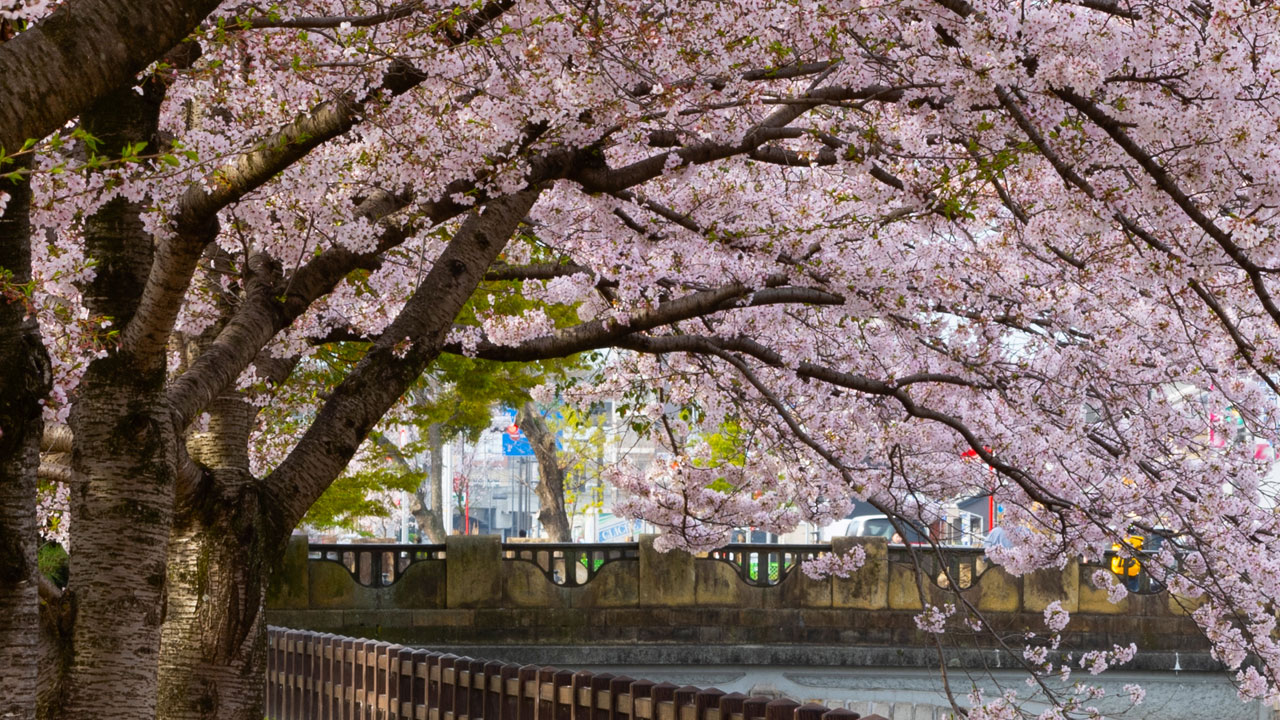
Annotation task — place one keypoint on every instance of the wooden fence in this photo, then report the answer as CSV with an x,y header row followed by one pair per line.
x,y
318,676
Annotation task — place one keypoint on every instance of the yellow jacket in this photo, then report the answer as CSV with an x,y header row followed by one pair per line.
x,y
1127,566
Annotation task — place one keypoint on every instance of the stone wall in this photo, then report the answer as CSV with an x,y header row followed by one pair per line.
x,y
476,596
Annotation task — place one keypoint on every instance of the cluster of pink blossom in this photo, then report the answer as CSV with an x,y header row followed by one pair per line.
x,y
53,513
837,564
933,619
27,11
1096,661
512,330
1056,617
871,239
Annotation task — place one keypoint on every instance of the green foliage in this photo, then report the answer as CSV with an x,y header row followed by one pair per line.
x,y
728,445
353,496
582,436
468,388
457,392
54,563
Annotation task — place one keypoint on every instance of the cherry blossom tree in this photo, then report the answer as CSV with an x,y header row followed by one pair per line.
x,y
871,236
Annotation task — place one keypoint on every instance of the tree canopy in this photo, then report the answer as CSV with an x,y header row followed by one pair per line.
x,y
867,237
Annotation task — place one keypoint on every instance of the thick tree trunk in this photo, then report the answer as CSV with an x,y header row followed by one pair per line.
x,y
223,548
56,70
123,462
55,648
213,649
428,508
24,381
550,490
227,538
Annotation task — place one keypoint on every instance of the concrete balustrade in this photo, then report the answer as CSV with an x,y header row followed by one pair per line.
x,y
475,595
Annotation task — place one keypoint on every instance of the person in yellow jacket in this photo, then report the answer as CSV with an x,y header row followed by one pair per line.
x,y
1130,567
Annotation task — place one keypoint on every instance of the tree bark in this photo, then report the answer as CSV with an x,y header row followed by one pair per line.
x,y
55,648
221,554
550,490
409,344
427,511
123,461
83,51
24,382
428,508
227,539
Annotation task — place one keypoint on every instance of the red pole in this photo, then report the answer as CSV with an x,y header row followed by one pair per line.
x,y
991,512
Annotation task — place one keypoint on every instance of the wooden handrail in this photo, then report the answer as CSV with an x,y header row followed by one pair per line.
x,y
319,676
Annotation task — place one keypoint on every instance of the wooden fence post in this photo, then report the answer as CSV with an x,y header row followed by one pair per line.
x,y
461,688
563,700
292,697
371,657
355,703
493,687
781,709
662,696
463,681
448,680
753,707
528,692
434,688
601,699
400,686
310,646
470,701
642,700
684,702
620,698
706,700
320,677
282,688
545,699
810,711
421,681
388,659
347,695
510,692
732,706
584,700
273,673
333,679
359,675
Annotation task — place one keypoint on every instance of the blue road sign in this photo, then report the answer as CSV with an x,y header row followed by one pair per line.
x,y
514,442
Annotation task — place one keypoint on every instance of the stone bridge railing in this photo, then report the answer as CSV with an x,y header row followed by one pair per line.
x,y
476,590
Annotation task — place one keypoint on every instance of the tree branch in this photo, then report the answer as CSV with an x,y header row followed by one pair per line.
x,y
56,69
612,180
268,308
606,332
402,10
869,386
196,218
409,344
535,271
56,438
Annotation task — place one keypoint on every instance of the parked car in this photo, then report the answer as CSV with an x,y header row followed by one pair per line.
x,y
877,526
